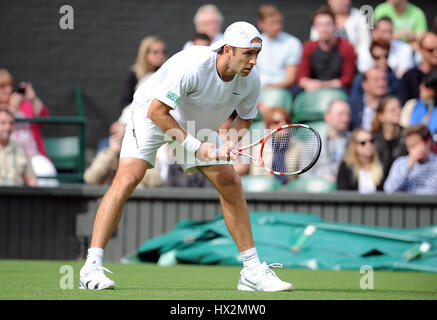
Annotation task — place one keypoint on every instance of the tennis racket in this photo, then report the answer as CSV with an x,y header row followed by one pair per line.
x,y
287,150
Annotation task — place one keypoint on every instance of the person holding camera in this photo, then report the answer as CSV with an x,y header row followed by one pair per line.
x,y
23,102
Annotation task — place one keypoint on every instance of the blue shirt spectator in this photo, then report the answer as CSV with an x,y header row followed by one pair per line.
x,y
417,172
421,111
279,58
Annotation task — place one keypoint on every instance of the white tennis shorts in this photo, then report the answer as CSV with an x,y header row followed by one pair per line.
x,y
143,138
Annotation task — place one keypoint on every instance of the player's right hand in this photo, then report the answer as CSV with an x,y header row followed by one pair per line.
x,y
206,152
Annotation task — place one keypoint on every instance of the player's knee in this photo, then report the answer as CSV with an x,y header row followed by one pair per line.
x,y
127,181
231,180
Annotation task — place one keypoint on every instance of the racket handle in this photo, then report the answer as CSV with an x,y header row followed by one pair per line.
x,y
233,150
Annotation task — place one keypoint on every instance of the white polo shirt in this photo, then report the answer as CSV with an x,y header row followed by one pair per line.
x,y
189,83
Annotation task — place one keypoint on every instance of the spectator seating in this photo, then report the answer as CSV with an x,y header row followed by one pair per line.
x,y
252,183
310,184
66,155
320,126
311,105
275,97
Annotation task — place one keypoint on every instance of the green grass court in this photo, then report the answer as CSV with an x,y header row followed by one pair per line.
x,y
29,279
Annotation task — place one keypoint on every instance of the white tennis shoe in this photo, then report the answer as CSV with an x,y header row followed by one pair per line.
x,y
262,279
93,278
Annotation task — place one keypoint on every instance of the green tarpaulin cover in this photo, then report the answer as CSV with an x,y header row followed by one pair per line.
x,y
297,241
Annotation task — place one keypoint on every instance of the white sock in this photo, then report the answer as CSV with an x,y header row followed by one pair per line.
x,y
250,258
94,257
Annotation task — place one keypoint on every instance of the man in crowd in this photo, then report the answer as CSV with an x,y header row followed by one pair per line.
x,y
328,62
16,167
409,84
279,59
208,20
400,57
409,21
363,108
416,172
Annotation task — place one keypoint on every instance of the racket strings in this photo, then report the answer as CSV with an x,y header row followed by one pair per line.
x,y
290,150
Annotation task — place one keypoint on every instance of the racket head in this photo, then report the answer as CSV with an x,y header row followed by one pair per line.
x,y
291,149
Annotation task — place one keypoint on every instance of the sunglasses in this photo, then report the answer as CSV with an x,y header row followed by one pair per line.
x,y
380,57
363,142
430,50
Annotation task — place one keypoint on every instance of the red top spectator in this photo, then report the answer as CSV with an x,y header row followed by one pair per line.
x,y
27,111
328,62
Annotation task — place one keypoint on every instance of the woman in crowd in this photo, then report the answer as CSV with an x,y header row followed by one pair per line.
x,y
23,102
360,169
387,132
150,57
379,51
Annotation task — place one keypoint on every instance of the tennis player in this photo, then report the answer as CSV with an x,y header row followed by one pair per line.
x,y
186,101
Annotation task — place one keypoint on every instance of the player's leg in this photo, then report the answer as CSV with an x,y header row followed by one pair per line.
x,y
254,276
234,207
130,172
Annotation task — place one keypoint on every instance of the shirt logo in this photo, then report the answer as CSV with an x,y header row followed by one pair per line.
x,y
236,93
172,96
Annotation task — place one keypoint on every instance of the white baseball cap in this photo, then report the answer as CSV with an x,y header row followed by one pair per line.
x,y
239,34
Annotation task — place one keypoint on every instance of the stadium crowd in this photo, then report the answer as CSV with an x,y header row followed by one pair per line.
x,y
370,91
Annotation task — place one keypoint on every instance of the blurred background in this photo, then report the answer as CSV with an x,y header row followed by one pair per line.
x,y
81,74
97,54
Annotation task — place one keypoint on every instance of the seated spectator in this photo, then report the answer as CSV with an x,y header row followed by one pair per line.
x,y
328,62
334,143
360,170
150,57
117,129
24,103
363,108
103,167
379,51
16,167
351,24
409,21
409,84
424,109
400,57
201,39
417,171
387,132
274,117
209,20
279,58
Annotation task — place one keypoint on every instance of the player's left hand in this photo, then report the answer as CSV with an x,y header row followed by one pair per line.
x,y
225,152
